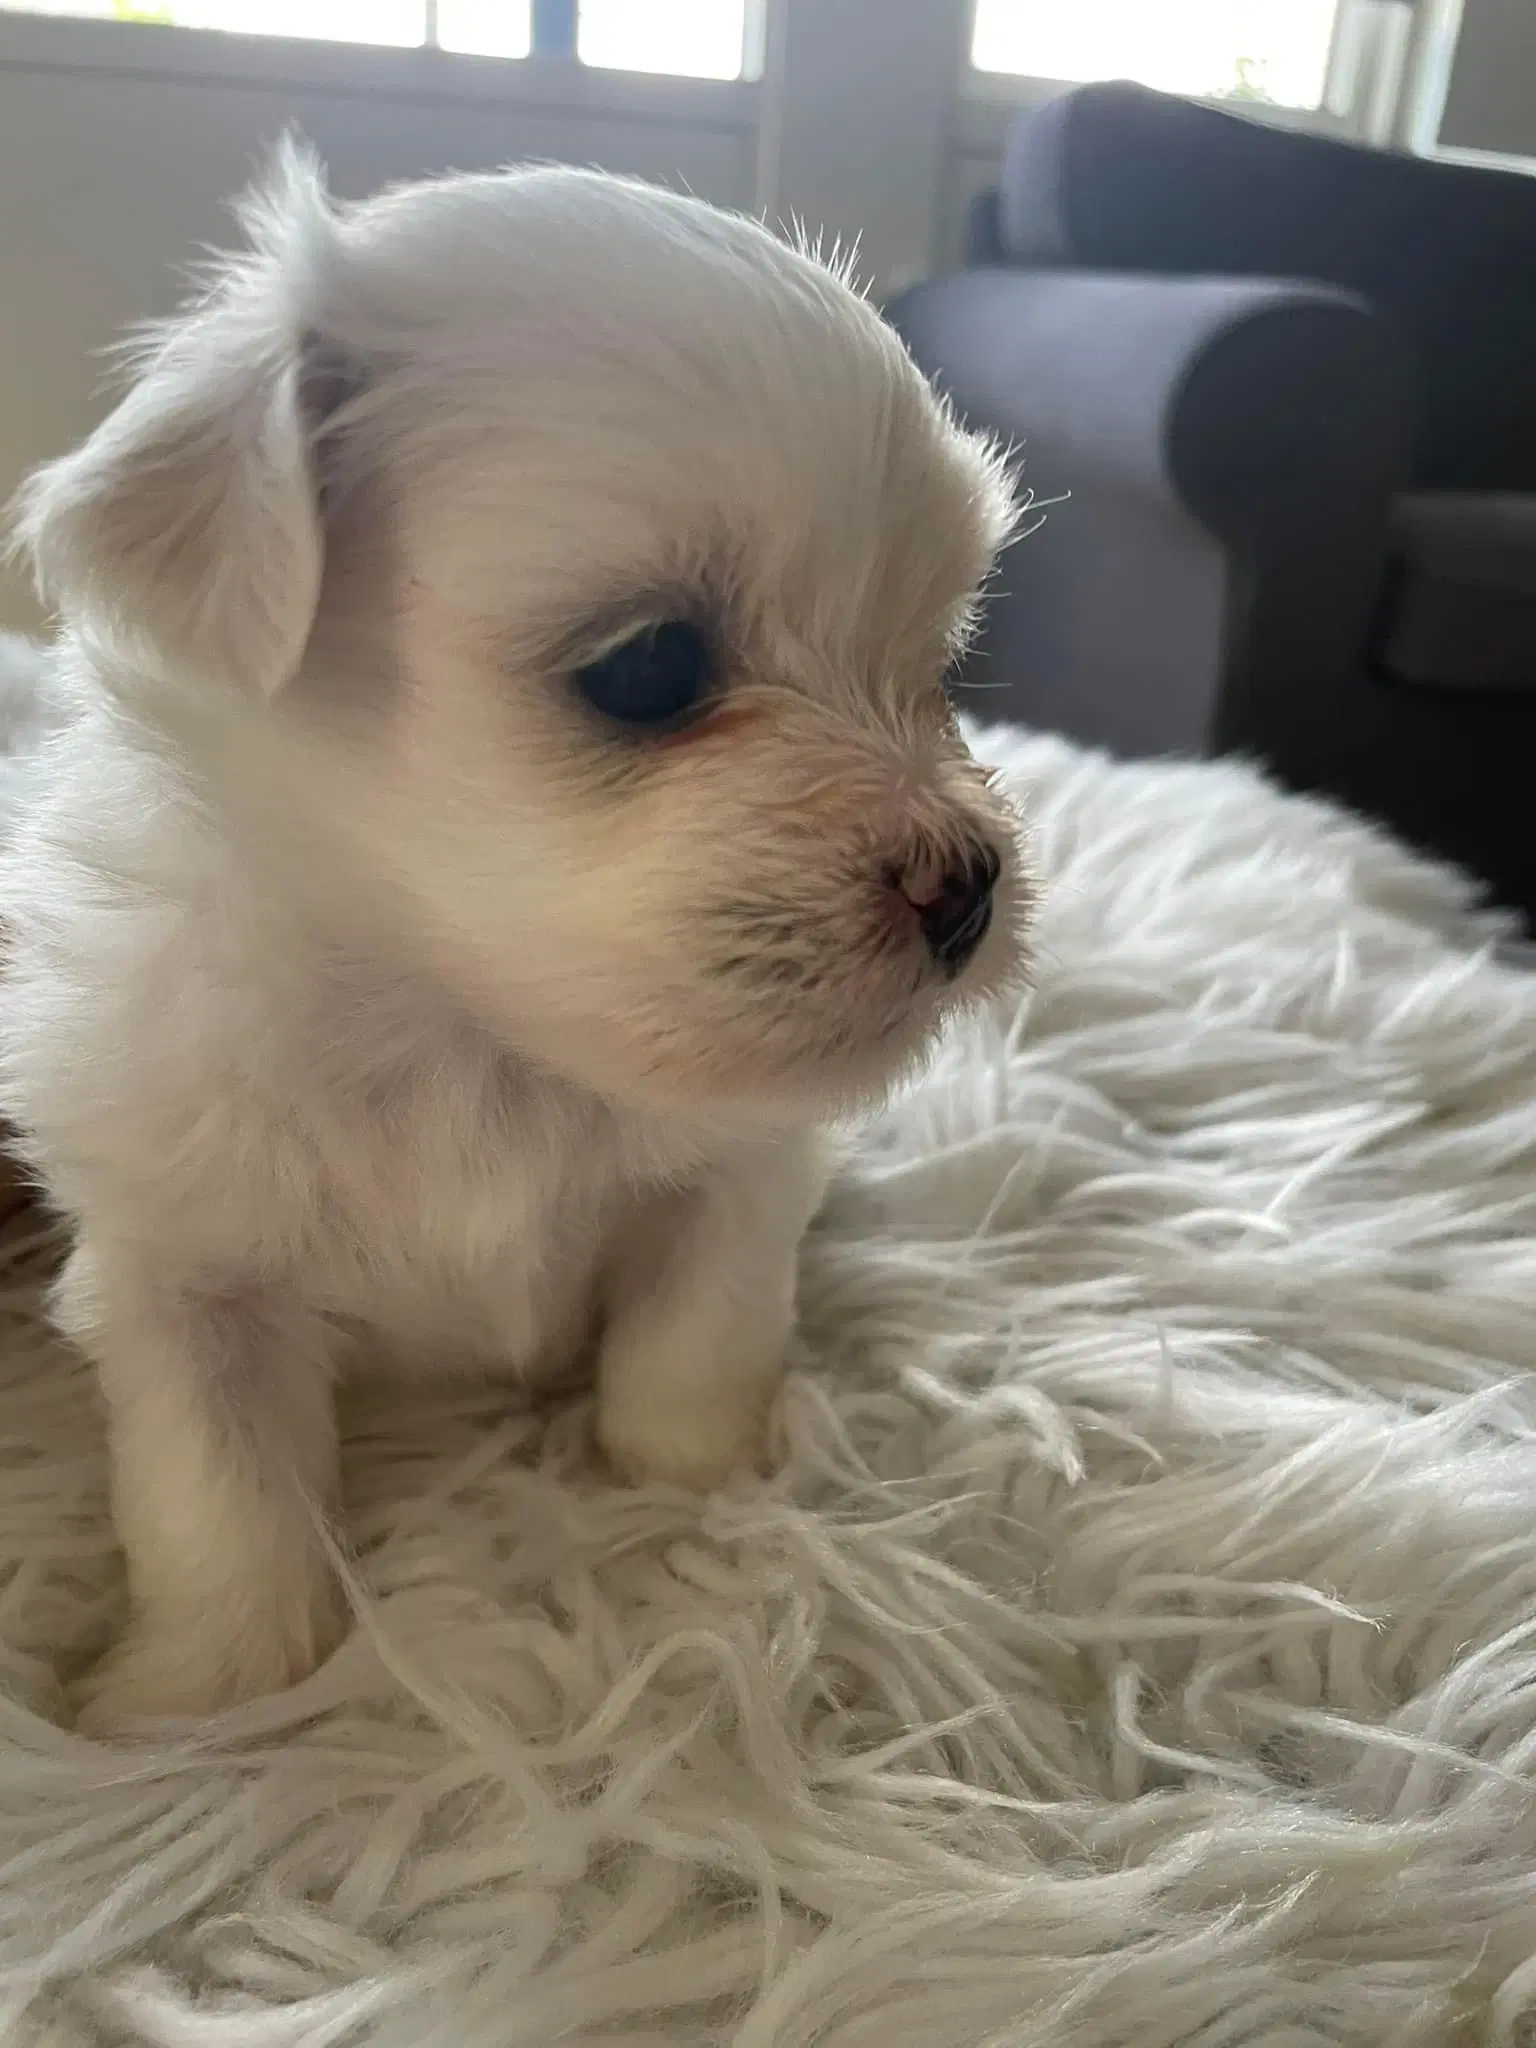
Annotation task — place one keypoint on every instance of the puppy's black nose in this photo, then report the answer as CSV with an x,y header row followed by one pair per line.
x,y
955,919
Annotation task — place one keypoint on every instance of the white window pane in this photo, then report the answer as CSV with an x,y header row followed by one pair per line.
x,y
691,38
485,28
1273,50
399,22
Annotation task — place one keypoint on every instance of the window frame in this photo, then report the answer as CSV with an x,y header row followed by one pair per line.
x,y
543,83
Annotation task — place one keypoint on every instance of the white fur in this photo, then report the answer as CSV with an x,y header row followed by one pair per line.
x,y
368,999
1137,1644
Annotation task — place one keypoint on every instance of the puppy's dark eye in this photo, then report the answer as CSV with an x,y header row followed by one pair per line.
x,y
658,676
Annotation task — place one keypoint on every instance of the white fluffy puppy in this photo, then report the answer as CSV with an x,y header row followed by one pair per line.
x,y
508,803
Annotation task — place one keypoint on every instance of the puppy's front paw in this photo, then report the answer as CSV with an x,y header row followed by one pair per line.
x,y
188,1672
141,1679
698,1447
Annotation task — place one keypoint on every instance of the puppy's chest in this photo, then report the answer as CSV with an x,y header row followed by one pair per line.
x,y
459,1241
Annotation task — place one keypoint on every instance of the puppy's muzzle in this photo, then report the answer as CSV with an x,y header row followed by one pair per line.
x,y
954,917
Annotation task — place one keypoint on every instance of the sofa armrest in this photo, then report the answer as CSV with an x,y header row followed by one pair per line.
x,y
1239,397
1227,449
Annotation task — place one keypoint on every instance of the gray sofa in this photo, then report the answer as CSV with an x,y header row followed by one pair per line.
x,y
1290,389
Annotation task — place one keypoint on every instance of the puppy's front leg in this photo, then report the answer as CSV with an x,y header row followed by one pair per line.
x,y
701,1304
222,1443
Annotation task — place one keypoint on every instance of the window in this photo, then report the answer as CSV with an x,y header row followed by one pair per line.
x,y
479,28
690,38
1268,50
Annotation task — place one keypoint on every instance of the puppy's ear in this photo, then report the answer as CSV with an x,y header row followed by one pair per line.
x,y
189,524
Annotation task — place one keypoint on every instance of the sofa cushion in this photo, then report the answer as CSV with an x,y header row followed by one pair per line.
x,y
1460,611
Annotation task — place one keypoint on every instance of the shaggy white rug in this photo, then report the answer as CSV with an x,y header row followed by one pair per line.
x,y
1138,1646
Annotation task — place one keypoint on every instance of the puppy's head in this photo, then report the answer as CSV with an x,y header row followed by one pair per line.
x,y
590,562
